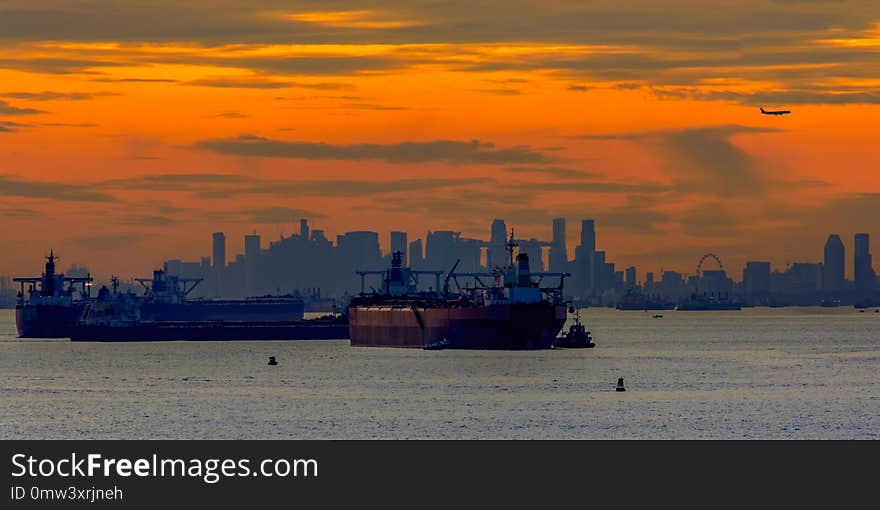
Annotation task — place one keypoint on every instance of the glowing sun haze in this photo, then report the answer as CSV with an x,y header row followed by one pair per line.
x,y
130,131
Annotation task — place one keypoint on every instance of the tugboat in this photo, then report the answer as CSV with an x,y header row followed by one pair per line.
x,y
577,336
51,305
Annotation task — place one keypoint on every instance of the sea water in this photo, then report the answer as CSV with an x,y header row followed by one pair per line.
x,y
792,373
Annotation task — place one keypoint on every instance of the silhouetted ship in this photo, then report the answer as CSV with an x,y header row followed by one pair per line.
x,y
51,304
126,317
699,303
513,312
577,336
634,301
167,299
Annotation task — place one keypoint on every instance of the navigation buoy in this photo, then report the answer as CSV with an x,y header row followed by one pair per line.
x,y
272,360
620,386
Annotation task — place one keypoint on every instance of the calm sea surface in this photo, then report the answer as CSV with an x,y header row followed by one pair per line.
x,y
759,373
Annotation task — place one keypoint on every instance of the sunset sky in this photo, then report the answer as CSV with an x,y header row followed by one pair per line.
x,y
131,130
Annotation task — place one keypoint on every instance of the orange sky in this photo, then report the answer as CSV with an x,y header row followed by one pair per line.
x,y
128,135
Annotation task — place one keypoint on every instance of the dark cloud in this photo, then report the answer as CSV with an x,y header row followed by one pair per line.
x,y
501,92
15,186
19,212
8,109
53,65
704,159
54,96
240,83
135,80
372,106
174,182
587,187
553,171
232,115
777,97
8,126
338,188
256,82
145,220
442,151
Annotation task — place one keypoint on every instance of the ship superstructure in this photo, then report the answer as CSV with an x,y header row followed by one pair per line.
x,y
50,304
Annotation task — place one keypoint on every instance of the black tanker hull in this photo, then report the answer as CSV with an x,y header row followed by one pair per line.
x,y
510,327
46,321
314,329
225,310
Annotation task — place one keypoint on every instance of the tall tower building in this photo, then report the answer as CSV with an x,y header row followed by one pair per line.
x,y
862,264
304,229
585,270
398,243
834,268
558,250
219,251
496,253
588,235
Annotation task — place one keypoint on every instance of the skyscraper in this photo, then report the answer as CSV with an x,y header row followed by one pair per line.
x,y
584,271
398,243
588,234
219,251
558,250
834,268
304,229
862,263
756,282
631,276
496,253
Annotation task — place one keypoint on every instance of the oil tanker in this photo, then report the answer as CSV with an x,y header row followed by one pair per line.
x,y
512,312
115,316
166,299
52,304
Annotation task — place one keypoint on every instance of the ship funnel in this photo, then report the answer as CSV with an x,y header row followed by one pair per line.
x,y
524,276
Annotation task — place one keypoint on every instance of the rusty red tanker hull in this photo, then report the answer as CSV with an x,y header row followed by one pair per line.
x,y
423,324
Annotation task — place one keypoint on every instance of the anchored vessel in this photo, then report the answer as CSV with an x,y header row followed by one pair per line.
x,y
513,312
639,302
51,304
126,317
702,303
166,299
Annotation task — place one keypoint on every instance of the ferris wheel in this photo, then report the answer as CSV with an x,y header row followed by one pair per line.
x,y
706,257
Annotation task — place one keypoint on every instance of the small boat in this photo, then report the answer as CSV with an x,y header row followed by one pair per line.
x,y
437,346
577,336
658,316
272,360
620,386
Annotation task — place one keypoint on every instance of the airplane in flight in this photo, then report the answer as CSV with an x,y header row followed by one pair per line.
x,y
775,112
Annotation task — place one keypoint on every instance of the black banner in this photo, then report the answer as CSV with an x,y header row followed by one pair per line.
x,y
256,474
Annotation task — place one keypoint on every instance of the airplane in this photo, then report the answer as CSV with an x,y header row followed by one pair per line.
x,y
775,112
